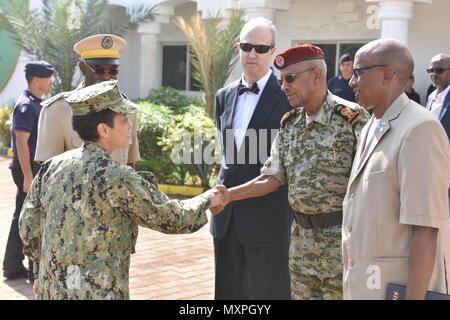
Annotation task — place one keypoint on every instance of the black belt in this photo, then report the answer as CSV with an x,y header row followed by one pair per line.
x,y
314,221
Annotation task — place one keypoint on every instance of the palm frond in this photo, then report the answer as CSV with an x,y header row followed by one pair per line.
x,y
47,34
213,54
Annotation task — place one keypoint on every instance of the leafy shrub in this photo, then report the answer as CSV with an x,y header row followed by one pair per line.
x,y
5,126
153,119
169,97
190,159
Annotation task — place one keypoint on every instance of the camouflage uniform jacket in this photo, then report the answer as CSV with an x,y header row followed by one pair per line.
x,y
315,159
79,223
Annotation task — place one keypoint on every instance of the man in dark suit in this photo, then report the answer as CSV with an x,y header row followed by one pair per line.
x,y
439,100
439,104
251,237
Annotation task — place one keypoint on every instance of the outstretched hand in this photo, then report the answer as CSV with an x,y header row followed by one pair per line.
x,y
222,198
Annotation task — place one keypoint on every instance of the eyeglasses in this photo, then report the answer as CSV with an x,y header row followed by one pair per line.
x,y
291,77
259,48
98,70
357,71
437,70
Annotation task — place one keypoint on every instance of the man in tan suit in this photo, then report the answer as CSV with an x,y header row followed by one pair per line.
x,y
99,61
396,199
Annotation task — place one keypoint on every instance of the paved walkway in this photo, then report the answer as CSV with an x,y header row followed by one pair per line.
x,y
165,267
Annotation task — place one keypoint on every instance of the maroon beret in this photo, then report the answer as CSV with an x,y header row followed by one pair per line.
x,y
297,54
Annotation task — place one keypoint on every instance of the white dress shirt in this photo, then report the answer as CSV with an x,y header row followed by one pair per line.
x,y
437,103
245,106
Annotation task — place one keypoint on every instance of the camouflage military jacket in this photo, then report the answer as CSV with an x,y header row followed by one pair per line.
x,y
79,223
316,159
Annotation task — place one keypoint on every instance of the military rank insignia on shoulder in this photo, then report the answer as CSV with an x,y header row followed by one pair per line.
x,y
56,97
345,112
286,117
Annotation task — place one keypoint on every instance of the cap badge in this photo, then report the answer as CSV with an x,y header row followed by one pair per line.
x,y
279,60
107,42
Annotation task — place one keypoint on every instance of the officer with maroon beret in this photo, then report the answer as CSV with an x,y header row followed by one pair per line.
x,y
312,154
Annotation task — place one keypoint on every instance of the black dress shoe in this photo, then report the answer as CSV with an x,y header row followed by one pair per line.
x,y
16,274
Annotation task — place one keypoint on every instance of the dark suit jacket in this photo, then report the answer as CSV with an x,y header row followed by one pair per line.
x,y
445,120
259,221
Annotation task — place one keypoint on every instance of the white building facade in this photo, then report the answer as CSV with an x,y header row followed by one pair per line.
x,y
158,54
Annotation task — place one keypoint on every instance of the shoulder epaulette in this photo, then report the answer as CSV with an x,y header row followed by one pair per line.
x,y
58,96
345,112
286,117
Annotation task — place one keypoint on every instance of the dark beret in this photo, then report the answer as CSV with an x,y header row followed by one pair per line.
x,y
346,57
297,54
40,69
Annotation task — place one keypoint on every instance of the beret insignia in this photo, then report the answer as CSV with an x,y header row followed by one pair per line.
x,y
279,60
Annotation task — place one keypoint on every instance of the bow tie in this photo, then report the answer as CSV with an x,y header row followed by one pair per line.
x,y
253,89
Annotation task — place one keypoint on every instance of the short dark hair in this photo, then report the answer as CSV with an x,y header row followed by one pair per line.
x,y
29,77
346,57
86,126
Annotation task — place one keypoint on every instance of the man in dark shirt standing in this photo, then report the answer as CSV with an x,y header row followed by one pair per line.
x,y
23,168
339,85
409,90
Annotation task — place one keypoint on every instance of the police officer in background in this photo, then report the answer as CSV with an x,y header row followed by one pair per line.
x,y
23,169
339,85
99,61
409,90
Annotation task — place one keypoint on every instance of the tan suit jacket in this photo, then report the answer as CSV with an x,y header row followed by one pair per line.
x,y
400,180
55,134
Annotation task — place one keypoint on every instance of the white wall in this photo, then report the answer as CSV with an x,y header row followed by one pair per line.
x,y
307,20
429,35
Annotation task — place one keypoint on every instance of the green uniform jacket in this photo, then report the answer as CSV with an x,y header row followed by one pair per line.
x,y
79,223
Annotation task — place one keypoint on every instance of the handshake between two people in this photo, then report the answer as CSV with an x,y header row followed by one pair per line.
x,y
219,196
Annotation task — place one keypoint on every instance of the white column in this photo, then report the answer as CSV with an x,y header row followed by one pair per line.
x,y
150,67
264,8
395,16
149,57
259,12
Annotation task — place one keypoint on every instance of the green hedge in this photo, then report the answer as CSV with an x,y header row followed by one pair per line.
x,y
169,97
5,126
193,122
153,119
160,131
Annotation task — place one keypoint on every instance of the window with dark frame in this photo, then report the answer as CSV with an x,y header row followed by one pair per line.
x,y
177,72
332,53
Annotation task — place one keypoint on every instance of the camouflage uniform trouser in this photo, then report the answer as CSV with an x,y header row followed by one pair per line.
x,y
315,263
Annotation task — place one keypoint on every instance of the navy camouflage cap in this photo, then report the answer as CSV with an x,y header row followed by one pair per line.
x,y
99,97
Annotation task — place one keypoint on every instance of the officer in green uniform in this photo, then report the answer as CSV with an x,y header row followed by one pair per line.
x,y
313,154
79,223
